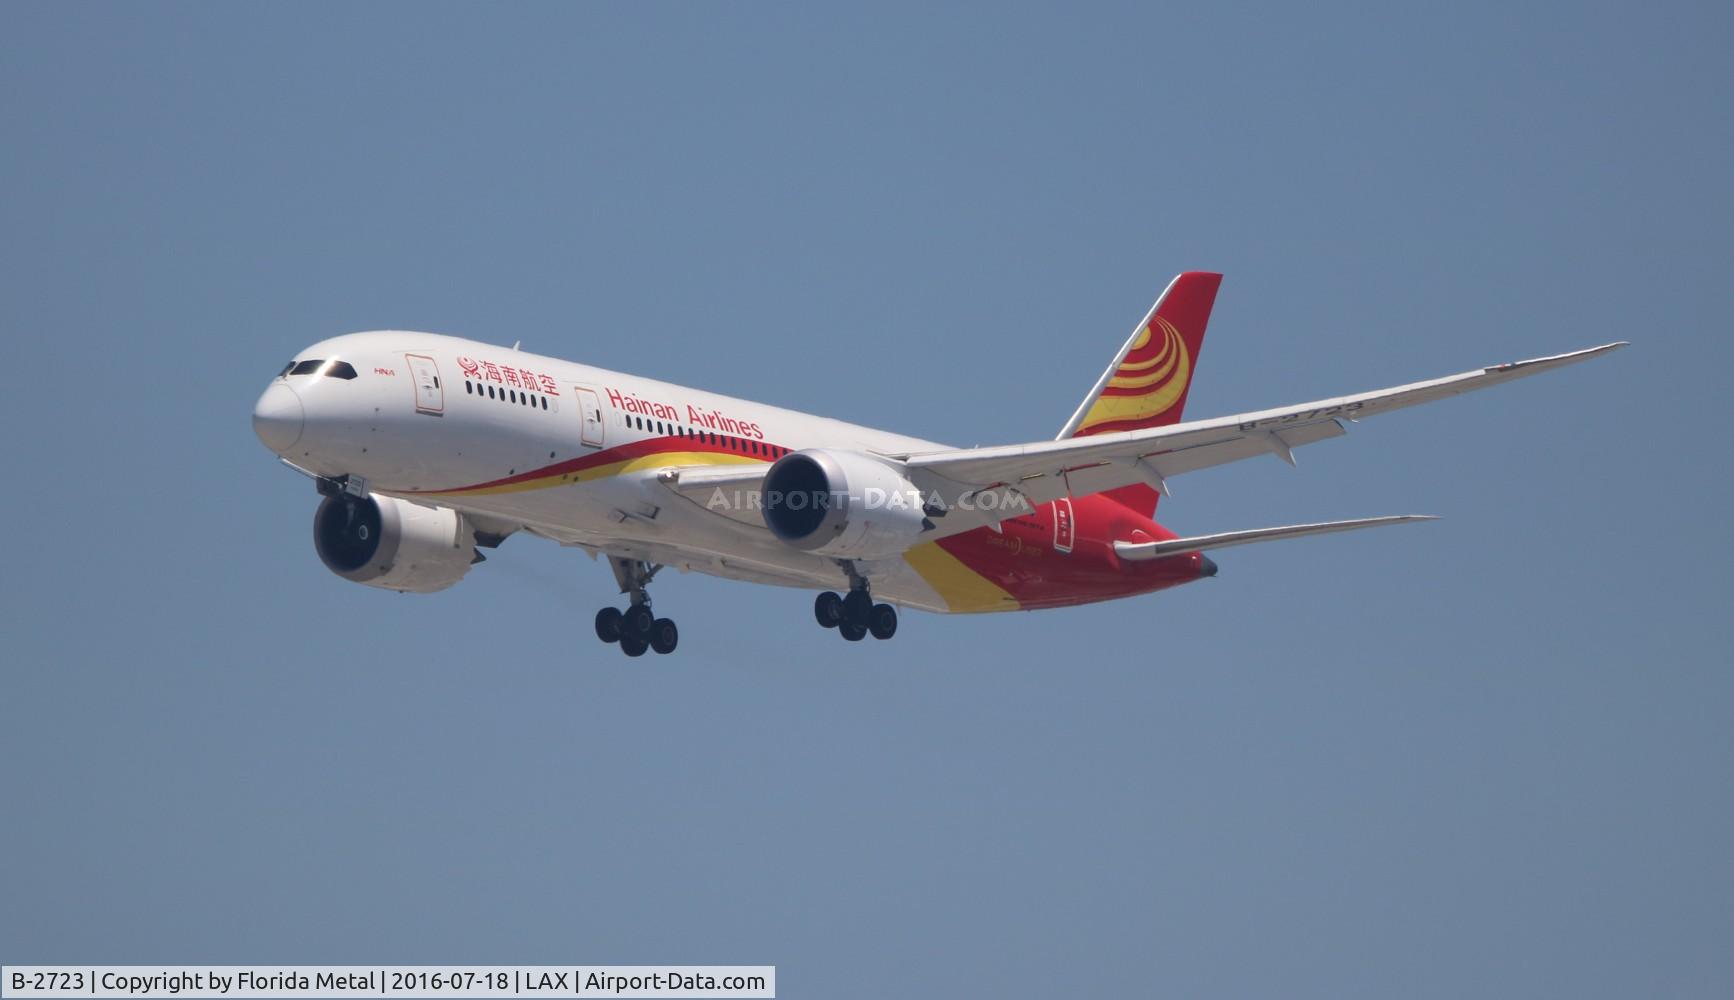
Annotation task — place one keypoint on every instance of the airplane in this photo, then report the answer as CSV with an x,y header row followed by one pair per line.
x,y
428,448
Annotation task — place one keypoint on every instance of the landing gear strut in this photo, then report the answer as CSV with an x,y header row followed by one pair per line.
x,y
856,615
637,628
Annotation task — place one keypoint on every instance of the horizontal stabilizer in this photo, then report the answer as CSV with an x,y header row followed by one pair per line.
x,y
1140,551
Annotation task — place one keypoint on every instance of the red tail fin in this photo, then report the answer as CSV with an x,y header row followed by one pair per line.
x,y
1146,386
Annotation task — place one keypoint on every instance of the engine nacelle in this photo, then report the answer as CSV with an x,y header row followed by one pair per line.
x,y
842,503
394,544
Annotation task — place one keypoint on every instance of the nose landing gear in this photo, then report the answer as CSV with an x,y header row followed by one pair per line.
x,y
636,629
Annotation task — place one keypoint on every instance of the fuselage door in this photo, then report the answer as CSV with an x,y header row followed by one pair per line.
x,y
1065,525
430,395
590,408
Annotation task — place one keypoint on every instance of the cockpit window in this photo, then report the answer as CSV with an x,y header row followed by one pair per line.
x,y
333,369
285,370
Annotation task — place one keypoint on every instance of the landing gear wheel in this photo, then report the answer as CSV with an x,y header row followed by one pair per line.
x,y
882,621
852,632
828,609
638,621
857,607
636,629
663,635
608,624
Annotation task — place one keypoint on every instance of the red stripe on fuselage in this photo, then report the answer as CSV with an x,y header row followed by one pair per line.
x,y
620,453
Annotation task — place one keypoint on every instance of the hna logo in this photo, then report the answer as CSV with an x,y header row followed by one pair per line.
x,y
1150,380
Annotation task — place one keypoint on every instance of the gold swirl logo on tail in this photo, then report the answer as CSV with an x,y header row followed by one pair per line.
x,y
1151,378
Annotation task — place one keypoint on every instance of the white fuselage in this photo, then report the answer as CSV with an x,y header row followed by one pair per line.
x,y
503,436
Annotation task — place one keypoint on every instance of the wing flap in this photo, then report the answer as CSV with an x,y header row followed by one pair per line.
x,y
1142,551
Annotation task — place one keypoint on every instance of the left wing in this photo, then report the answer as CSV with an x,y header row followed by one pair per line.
x,y
974,479
981,486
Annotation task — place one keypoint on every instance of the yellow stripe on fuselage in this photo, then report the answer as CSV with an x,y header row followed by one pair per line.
x,y
961,588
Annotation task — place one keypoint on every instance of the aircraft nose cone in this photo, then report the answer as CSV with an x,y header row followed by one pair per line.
x,y
278,417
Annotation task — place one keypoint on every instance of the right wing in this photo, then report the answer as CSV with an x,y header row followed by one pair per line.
x,y
989,481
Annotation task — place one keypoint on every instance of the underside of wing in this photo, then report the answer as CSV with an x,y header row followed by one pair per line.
x,y
966,489
731,491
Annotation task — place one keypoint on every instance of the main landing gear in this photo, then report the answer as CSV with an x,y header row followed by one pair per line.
x,y
856,615
637,628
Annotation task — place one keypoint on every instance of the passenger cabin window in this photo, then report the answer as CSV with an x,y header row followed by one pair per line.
x,y
505,395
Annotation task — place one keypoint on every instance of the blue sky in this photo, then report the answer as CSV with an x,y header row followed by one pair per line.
x,y
1484,756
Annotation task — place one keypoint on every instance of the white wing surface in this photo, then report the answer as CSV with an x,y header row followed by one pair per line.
x,y
1047,470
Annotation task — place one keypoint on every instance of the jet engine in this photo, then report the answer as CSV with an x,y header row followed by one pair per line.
x,y
394,544
843,504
